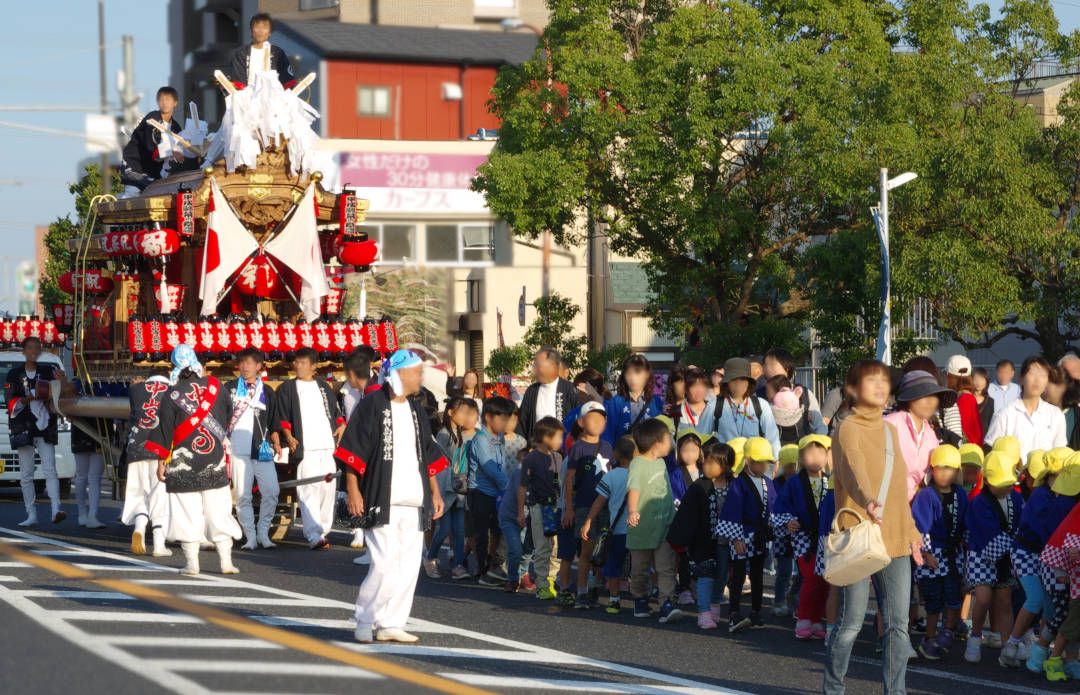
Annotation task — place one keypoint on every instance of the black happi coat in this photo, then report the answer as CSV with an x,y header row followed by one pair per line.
x,y
696,522
565,401
20,386
145,399
265,417
140,154
367,450
197,461
279,62
288,417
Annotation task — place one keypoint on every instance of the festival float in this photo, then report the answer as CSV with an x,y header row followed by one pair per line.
x,y
247,251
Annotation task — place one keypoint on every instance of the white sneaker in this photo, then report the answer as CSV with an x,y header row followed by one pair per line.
x,y
973,650
92,522
82,520
1023,651
431,567
357,538
394,634
1009,655
362,633
29,521
160,549
224,551
992,640
911,653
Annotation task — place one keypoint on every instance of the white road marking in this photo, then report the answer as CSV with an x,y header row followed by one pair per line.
x,y
57,624
312,602
180,580
9,578
122,617
76,594
9,564
448,652
119,568
515,683
189,642
967,680
264,667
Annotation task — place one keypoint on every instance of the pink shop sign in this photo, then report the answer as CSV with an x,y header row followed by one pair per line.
x,y
409,169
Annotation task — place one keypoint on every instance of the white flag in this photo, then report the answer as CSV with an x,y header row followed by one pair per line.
x,y
297,246
228,246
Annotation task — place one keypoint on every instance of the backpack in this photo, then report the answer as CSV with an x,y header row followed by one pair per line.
x,y
459,469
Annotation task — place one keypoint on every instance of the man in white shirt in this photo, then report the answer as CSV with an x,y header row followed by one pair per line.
x,y
260,55
252,449
549,396
1003,391
392,463
1035,423
311,423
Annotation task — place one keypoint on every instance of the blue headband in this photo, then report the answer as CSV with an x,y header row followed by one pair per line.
x,y
184,357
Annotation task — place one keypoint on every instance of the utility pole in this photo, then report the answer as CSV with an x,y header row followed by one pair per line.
x,y
129,100
105,179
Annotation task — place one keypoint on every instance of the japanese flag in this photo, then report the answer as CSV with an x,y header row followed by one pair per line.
x,y
228,246
297,246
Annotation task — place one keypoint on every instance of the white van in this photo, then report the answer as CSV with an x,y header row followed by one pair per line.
x,y
9,458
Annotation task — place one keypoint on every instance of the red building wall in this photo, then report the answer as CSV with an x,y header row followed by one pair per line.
x,y
420,113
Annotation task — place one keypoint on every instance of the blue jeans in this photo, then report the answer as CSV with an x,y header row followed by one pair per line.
x,y
451,523
894,586
783,564
512,533
710,590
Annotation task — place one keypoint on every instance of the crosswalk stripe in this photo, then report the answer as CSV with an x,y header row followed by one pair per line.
x,y
264,667
189,642
450,652
123,617
9,578
547,684
278,621
10,564
76,594
96,567
181,580
260,600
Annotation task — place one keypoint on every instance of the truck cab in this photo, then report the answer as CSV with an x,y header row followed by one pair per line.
x,y
9,458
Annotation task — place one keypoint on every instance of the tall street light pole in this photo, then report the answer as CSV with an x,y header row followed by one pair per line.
x,y
510,24
105,179
881,219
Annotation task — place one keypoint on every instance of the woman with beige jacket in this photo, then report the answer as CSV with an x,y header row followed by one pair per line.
x,y
858,469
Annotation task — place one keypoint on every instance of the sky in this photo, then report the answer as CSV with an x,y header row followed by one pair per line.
x,y
44,61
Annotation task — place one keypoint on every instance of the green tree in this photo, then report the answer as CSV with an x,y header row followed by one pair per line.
x,y
715,140
58,259
554,328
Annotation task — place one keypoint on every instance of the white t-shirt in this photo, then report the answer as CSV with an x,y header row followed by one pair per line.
x,y
545,400
759,485
406,487
1044,429
317,433
350,398
242,433
258,60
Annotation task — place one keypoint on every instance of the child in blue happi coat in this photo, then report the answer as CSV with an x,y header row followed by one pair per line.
x,y
635,400
939,510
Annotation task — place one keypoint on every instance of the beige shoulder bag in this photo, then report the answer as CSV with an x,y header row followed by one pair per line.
x,y
855,554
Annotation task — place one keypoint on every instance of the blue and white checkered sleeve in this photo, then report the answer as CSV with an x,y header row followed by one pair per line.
x,y
997,547
779,523
731,530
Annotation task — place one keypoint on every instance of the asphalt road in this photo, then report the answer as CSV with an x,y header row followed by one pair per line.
x,y
62,632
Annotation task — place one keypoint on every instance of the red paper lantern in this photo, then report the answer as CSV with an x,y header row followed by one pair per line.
x,y
205,329
155,338
64,315
175,294
304,333
272,340
188,333
48,332
290,339
96,281
333,301
387,335
172,333
321,336
221,339
136,338
33,327
21,329
259,278
125,243
360,254
355,331
371,333
254,334
339,338
238,336
155,243
7,332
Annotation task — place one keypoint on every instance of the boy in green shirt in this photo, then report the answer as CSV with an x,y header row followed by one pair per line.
x,y
650,508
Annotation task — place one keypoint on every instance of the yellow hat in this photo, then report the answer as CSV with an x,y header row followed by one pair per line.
x,y
737,444
815,439
1010,446
1036,467
971,455
687,431
667,421
1073,460
1068,482
1055,459
998,470
789,453
1035,458
758,449
947,456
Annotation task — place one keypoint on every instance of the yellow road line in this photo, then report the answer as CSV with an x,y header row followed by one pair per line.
x,y
246,626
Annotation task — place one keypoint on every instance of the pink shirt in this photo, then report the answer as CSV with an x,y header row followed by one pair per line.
x,y
916,448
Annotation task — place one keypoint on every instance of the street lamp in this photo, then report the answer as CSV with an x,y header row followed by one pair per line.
x,y
881,220
510,24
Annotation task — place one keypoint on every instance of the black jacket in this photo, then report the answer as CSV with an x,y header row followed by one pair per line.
x,y
287,413
565,401
694,528
265,418
279,62
140,154
367,451
19,386
145,399
197,461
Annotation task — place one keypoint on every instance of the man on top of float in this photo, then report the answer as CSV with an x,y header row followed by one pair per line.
x,y
260,54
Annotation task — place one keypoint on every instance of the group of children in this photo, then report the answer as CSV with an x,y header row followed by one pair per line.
x,y
680,514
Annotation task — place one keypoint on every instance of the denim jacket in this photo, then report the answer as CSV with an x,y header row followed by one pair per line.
x,y
486,458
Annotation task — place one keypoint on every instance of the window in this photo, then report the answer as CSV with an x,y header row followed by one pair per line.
x,y
478,243
317,4
474,296
442,243
398,242
373,102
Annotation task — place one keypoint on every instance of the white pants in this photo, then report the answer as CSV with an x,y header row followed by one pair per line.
x,y
195,516
244,473
144,497
48,467
386,596
88,470
317,499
